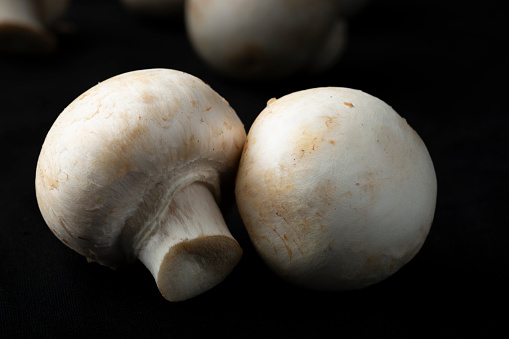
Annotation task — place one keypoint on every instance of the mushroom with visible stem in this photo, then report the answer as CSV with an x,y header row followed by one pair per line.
x,y
140,166
24,25
265,39
336,190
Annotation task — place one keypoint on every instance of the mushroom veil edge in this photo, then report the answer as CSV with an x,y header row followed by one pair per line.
x,y
140,166
336,190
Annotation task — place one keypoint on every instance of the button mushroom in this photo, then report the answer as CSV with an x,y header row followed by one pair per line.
x,y
135,168
263,39
24,25
336,190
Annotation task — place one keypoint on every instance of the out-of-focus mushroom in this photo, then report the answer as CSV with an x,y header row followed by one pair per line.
x,y
25,25
136,167
335,189
263,39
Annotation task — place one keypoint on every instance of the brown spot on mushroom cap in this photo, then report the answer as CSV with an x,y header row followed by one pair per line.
x,y
371,182
115,161
306,144
331,120
312,138
147,97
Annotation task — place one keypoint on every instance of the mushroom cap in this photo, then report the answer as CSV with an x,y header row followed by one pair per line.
x,y
335,189
117,154
260,39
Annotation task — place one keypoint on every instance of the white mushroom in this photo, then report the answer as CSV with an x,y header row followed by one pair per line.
x,y
135,167
335,189
24,25
156,8
262,39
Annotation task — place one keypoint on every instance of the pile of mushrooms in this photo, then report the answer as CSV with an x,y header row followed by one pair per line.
x,y
25,25
336,190
140,166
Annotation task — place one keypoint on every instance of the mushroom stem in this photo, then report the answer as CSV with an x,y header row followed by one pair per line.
x,y
192,249
21,29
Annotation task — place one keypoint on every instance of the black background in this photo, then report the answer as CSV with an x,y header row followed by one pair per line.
x,y
439,64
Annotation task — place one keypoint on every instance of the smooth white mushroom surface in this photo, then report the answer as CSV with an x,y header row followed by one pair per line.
x,y
24,25
263,39
135,168
336,190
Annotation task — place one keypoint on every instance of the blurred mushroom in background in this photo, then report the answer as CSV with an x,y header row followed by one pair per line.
x,y
26,25
268,39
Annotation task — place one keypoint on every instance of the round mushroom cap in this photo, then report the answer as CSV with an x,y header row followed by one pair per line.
x,y
262,39
335,189
115,157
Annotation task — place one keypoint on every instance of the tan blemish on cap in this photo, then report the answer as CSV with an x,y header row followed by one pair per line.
x,y
271,101
106,175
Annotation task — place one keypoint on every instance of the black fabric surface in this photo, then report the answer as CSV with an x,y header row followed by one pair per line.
x,y
440,65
